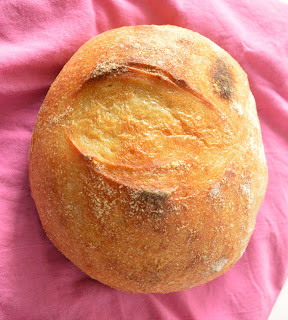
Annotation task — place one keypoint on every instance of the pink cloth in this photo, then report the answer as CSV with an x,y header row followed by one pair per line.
x,y
36,39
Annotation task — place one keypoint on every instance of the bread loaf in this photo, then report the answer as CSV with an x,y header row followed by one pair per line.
x,y
146,161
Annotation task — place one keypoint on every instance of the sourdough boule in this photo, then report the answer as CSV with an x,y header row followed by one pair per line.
x,y
146,163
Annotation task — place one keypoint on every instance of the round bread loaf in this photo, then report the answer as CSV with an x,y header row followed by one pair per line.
x,y
146,162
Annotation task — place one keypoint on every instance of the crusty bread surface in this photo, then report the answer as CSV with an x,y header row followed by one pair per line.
x,y
146,163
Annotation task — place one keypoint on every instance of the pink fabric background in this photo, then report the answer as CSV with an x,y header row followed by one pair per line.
x,y
36,39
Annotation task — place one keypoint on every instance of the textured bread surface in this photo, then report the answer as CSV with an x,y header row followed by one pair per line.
x,y
146,161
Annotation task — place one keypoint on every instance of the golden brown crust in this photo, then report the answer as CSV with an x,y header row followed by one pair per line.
x,y
146,162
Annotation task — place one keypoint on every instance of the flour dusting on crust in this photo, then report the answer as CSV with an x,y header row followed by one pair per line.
x,y
238,107
219,265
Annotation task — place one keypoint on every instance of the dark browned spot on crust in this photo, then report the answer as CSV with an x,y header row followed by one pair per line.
x,y
86,157
222,79
154,194
106,69
149,202
182,83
